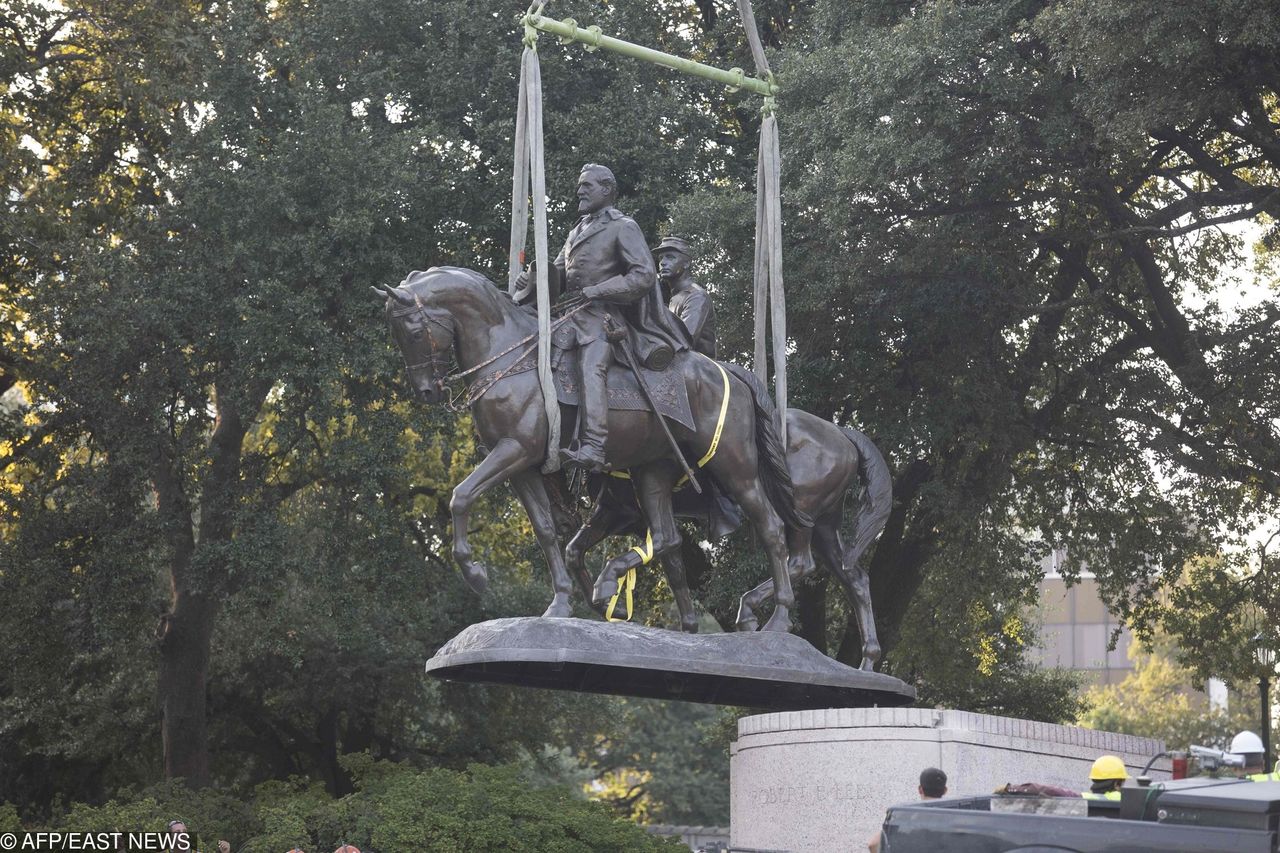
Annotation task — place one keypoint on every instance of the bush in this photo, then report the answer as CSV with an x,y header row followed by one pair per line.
x,y
208,813
395,808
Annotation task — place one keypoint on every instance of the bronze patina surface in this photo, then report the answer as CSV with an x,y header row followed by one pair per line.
x,y
768,670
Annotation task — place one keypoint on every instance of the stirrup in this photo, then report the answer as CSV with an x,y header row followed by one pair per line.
x,y
584,457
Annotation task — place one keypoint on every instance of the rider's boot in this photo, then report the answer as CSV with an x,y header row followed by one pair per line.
x,y
593,408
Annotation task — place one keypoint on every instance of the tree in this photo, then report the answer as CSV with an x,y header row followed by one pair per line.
x,y
1156,700
661,762
202,195
1005,234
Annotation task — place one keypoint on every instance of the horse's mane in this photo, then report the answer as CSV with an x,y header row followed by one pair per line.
x,y
421,277
419,281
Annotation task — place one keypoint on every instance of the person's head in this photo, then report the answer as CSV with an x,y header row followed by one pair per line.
x,y
1249,747
1107,774
933,784
597,188
671,257
177,826
347,848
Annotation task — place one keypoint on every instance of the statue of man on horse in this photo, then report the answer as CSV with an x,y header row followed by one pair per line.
x,y
606,264
722,415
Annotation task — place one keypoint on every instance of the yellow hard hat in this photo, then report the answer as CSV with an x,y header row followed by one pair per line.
x,y
1107,767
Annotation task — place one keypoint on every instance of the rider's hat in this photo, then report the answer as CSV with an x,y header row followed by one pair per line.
x,y
672,244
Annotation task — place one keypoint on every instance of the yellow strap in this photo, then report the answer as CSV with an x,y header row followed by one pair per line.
x,y
646,553
715,436
627,585
724,410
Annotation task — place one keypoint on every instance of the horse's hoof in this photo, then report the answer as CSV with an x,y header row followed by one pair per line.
x,y
476,576
749,624
558,610
689,626
867,665
603,591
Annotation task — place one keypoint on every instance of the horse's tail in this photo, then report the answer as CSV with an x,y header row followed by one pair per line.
x,y
873,511
774,472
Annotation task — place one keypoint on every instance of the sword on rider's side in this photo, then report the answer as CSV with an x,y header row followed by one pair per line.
x,y
613,330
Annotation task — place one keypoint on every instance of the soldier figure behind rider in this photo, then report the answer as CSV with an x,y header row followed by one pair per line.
x,y
606,262
689,302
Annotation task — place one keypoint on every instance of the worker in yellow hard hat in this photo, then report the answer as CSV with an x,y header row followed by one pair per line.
x,y
1106,777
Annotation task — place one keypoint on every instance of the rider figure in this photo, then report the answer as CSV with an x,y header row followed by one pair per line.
x,y
605,261
689,302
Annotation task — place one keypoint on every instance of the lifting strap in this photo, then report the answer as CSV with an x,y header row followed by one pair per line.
x,y
770,299
627,585
529,178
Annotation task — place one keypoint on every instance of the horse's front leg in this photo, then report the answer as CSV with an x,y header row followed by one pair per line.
x,y
751,600
532,491
506,458
654,484
588,536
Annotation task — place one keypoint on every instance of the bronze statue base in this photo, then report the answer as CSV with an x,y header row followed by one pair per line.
x,y
768,670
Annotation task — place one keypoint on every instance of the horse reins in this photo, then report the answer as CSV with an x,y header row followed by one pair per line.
x,y
439,358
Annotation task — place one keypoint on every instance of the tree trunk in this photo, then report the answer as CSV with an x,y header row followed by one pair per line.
x,y
185,636
186,632
327,752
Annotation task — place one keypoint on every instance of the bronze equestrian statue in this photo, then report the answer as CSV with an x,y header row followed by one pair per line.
x,y
448,312
606,262
603,277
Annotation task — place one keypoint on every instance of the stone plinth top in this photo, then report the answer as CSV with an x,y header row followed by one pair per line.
x,y
822,779
951,721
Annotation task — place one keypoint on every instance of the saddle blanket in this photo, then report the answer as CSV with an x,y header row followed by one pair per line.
x,y
668,388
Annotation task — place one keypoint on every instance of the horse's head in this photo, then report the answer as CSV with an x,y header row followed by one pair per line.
x,y
425,336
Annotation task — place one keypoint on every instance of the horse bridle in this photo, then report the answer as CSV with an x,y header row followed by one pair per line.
x,y
439,358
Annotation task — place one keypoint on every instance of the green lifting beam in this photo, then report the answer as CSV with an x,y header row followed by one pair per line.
x,y
568,30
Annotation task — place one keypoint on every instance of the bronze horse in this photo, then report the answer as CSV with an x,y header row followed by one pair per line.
x,y
448,309
826,463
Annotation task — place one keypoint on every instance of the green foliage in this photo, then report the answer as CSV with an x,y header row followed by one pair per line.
x,y
661,762
1156,701
394,807
209,814
1015,234
200,201
1218,609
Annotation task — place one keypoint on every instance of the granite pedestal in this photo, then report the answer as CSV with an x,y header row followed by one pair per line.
x,y
821,780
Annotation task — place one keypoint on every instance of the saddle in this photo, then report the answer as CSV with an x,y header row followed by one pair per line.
x,y
667,386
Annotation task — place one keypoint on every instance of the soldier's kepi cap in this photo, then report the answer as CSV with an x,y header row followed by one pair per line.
x,y
673,244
